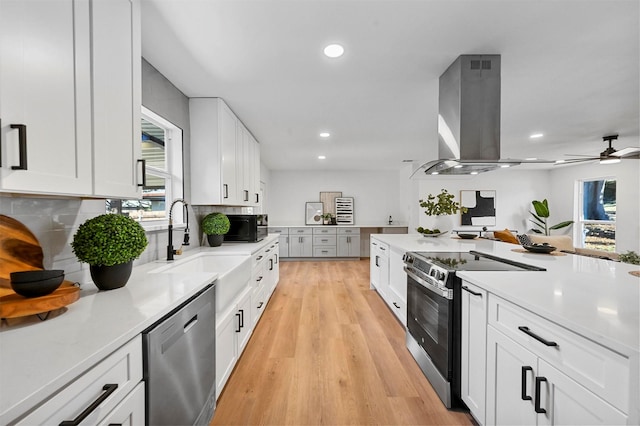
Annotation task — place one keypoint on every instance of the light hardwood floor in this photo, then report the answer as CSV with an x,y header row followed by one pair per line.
x,y
328,351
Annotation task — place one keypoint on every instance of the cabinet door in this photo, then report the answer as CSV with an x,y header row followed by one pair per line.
x,y
510,381
374,269
117,99
300,246
398,285
243,172
474,349
130,411
283,241
228,140
226,347
245,322
348,246
567,402
45,97
255,167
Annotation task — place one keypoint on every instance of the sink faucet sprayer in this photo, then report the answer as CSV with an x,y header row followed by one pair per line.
x,y
170,250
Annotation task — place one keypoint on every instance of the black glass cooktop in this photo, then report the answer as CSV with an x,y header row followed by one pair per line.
x,y
470,261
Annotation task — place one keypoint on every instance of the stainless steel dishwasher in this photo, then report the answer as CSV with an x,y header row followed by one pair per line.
x,y
179,364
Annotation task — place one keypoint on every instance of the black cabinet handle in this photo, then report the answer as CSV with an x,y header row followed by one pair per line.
x,y
542,340
257,198
144,172
271,264
239,326
259,258
22,146
225,190
246,195
108,390
260,305
465,288
396,305
276,258
539,409
241,317
523,393
377,257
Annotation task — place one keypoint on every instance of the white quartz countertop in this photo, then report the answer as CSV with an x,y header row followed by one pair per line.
x,y
595,298
357,225
39,357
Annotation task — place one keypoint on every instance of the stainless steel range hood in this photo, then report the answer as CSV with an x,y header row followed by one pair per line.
x,y
468,118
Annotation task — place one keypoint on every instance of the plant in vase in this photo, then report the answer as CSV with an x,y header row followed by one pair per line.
x,y
540,218
109,243
442,204
215,225
328,219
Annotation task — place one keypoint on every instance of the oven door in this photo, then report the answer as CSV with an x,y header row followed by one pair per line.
x,y
430,322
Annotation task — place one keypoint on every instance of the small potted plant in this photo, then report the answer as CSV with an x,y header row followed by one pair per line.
x,y
328,219
215,225
442,204
109,243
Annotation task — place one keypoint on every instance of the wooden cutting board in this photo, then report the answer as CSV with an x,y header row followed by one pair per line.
x,y
13,305
19,250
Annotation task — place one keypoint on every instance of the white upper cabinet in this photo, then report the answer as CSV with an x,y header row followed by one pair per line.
x,y
116,72
45,97
70,97
222,156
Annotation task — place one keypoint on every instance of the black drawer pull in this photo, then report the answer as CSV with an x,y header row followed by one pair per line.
x,y
523,393
22,146
396,305
467,289
225,189
239,323
539,409
241,317
108,390
260,305
542,340
144,172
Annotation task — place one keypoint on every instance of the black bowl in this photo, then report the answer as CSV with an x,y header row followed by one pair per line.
x,y
540,248
37,275
37,288
467,236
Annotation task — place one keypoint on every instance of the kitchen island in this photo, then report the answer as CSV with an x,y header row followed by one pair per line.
x,y
594,302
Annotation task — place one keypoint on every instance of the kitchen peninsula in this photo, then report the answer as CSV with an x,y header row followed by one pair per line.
x,y
587,365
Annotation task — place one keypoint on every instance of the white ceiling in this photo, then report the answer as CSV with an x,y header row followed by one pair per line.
x,y
570,69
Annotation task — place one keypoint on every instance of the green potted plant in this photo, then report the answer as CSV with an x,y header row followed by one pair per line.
x,y
442,204
328,218
540,218
109,243
630,257
215,225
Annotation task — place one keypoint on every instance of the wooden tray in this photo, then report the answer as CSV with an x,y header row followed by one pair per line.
x,y
13,305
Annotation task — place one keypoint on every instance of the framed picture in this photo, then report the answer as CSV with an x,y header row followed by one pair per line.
x,y
313,213
481,208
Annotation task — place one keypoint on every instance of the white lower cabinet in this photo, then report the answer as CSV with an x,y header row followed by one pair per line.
x,y
300,242
474,349
103,387
233,330
397,294
130,412
539,373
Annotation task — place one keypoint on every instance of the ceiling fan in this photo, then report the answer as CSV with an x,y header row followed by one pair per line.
x,y
609,155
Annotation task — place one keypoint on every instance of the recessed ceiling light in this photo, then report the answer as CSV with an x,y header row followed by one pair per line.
x,y
325,134
334,50
321,157
530,159
504,166
474,173
560,161
458,166
435,173
535,135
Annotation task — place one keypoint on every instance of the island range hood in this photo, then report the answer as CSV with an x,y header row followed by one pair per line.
x,y
468,118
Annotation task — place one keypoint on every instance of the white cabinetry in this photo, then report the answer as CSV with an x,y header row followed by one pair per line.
x,y
224,156
283,239
397,293
348,244
474,349
69,82
301,242
233,330
379,268
324,242
117,97
105,387
540,373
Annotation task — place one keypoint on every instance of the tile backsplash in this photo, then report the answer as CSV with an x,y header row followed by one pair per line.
x,y
54,221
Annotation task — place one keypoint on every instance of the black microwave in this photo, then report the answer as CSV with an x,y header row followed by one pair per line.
x,y
247,227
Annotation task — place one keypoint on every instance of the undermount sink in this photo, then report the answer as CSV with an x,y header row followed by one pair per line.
x,y
233,273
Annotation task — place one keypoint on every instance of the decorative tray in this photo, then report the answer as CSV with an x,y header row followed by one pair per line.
x,y
12,305
434,235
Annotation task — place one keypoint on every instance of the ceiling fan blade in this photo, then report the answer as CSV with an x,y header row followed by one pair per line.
x,y
576,160
626,152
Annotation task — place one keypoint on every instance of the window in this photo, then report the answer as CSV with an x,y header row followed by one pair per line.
x,y
162,151
598,214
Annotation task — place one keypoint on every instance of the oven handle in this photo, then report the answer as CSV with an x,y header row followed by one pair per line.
x,y
446,293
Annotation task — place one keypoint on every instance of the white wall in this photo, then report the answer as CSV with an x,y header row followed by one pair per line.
x,y
627,174
515,189
377,195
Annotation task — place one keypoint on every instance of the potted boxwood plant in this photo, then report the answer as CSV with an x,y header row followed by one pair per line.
x,y
109,243
215,225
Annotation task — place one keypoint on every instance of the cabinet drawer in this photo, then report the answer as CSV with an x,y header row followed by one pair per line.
x,y
300,231
348,231
602,371
324,240
324,252
130,411
324,231
281,230
259,257
122,371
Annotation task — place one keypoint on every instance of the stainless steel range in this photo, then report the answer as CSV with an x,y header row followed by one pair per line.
x,y
433,312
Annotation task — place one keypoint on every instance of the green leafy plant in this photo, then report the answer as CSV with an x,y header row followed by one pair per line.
x,y
441,204
630,257
109,239
215,224
541,215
